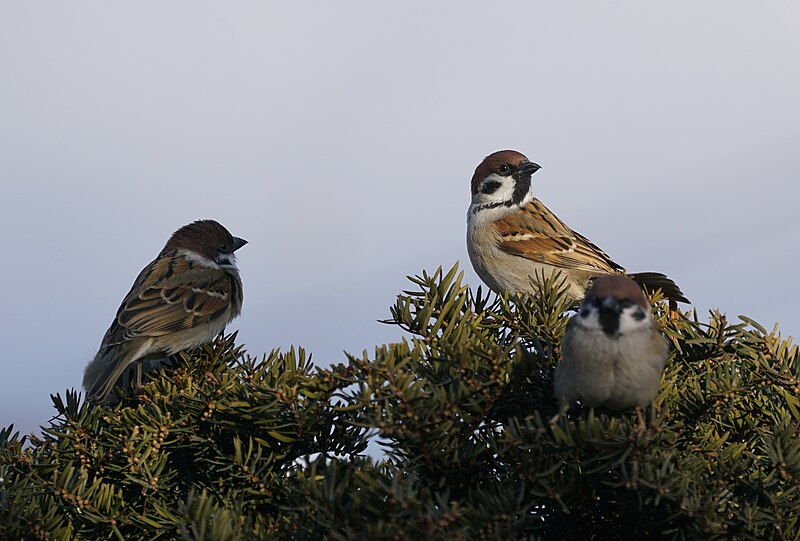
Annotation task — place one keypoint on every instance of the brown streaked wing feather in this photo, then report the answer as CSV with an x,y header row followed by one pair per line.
x,y
591,250
537,234
175,295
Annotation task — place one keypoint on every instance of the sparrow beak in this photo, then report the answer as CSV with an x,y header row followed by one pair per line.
x,y
528,168
609,304
238,243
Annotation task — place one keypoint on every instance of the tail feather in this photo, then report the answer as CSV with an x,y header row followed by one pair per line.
x,y
656,280
103,372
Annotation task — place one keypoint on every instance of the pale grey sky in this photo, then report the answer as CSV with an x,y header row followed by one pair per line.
x,y
339,139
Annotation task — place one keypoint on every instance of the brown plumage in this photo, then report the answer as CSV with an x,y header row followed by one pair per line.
x,y
512,237
536,233
181,300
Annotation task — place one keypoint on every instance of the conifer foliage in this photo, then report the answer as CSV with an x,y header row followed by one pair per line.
x,y
227,446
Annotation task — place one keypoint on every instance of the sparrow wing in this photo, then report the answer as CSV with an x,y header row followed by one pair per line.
x,y
170,295
537,234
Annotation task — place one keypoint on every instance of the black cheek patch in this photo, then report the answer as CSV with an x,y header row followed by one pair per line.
x,y
490,186
638,315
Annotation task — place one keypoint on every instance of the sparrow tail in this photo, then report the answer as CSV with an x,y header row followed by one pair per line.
x,y
655,280
104,371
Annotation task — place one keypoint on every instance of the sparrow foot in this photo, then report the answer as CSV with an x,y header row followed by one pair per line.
x,y
641,425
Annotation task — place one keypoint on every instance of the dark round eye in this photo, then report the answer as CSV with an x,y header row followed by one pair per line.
x,y
223,248
504,169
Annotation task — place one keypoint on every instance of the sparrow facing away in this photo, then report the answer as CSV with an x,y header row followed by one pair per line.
x,y
613,352
513,238
181,300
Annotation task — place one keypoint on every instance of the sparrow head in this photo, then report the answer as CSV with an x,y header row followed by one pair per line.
x,y
616,305
208,242
502,178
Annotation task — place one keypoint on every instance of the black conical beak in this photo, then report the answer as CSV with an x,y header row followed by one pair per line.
x,y
610,305
528,168
238,243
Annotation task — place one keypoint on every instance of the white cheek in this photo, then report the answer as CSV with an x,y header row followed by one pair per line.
x,y
503,193
591,320
486,208
627,323
197,258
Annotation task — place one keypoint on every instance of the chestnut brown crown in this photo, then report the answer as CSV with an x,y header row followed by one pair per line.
x,y
618,287
493,163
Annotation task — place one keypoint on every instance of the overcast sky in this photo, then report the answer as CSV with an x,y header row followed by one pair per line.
x,y
340,138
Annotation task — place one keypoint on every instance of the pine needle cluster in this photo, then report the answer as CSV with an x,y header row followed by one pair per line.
x,y
444,435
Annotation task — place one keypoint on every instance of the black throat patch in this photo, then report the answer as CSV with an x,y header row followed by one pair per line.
x,y
521,188
609,322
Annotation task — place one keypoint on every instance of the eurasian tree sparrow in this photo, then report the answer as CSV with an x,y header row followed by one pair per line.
x,y
513,238
181,300
613,352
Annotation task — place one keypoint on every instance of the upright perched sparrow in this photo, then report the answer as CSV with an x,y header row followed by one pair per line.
x,y
513,238
181,300
613,352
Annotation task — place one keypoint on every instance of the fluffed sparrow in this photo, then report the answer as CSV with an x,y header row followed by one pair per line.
x,y
181,300
613,352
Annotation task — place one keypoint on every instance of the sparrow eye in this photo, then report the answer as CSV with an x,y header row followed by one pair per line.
x,y
585,313
638,315
223,248
504,169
